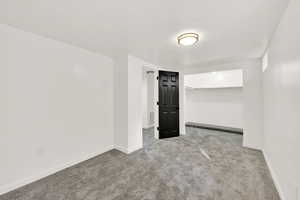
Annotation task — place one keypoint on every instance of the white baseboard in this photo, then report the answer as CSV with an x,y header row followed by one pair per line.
x,y
133,149
126,150
251,146
17,184
182,132
148,126
274,176
122,149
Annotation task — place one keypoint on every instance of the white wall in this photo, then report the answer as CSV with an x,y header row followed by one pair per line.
x,y
222,107
252,98
145,99
151,101
148,97
253,104
182,100
216,79
135,116
282,104
56,104
128,103
121,103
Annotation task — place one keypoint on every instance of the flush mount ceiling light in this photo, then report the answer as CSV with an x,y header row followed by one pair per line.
x,y
188,39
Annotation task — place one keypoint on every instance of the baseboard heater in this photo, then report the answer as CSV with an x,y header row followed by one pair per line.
x,y
215,127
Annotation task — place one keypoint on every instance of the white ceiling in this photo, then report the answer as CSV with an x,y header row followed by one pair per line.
x,y
230,30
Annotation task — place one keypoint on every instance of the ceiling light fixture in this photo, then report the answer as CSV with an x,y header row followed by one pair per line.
x,y
188,39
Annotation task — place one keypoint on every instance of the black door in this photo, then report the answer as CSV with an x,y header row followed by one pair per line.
x,y
168,104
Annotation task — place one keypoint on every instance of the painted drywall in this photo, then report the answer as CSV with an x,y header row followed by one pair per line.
x,y
121,103
148,97
252,97
151,101
135,115
236,29
253,104
282,104
145,99
129,85
222,107
182,103
128,91
58,106
216,79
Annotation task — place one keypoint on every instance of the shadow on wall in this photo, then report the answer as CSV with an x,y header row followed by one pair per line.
x,y
229,95
221,107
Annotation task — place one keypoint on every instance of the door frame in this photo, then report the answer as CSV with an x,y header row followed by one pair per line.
x,y
167,108
181,98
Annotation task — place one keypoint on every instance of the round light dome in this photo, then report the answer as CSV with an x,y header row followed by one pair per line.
x,y
188,39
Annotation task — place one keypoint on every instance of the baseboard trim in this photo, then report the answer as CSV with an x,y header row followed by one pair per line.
x,y
126,150
122,149
215,127
253,147
131,150
274,176
149,126
17,184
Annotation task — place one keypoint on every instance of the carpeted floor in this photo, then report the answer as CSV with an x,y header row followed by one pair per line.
x,y
203,165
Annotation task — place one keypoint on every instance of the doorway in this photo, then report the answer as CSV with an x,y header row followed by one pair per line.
x,y
168,104
148,103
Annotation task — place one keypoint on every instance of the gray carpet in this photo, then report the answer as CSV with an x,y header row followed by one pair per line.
x,y
203,165
148,136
